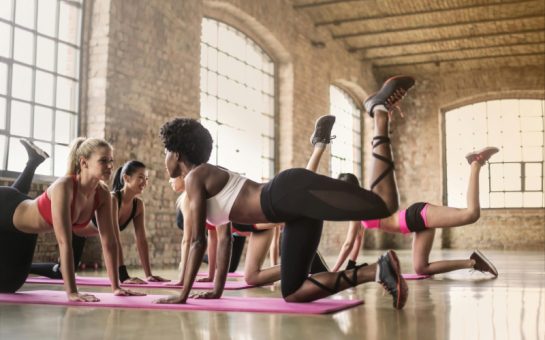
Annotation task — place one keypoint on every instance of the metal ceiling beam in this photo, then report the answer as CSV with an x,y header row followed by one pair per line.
x,y
404,15
419,54
324,3
533,30
361,34
461,59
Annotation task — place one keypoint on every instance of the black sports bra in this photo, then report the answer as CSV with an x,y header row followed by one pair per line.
x,y
122,226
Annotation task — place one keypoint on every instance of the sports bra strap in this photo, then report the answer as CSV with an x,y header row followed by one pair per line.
x,y
74,196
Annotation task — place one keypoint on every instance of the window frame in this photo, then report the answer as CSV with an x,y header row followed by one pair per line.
x,y
270,158
359,174
485,100
10,62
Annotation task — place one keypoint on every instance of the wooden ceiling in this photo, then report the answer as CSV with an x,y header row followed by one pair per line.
x,y
403,34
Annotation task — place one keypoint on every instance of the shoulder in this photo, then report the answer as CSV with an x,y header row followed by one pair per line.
x,y
139,203
200,174
103,191
63,185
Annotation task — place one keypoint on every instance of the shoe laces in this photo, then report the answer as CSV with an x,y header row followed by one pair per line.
x,y
331,137
387,288
393,103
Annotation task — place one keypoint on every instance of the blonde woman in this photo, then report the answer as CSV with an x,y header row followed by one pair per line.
x,y
68,204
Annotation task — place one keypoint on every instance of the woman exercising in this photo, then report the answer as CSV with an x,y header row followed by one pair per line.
x,y
298,197
422,219
67,204
129,182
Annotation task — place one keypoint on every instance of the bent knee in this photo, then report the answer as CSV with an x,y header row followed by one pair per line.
x,y
251,278
473,215
422,269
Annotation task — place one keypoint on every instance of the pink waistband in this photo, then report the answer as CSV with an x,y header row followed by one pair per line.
x,y
403,222
371,224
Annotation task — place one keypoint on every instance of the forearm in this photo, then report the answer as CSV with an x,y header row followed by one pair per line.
x,y
274,248
355,249
212,247
183,260
343,254
67,268
111,260
193,263
143,252
223,260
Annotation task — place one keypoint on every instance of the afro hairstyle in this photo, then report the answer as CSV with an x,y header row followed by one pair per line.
x,y
189,138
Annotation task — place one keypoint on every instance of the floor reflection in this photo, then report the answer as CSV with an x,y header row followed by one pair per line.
x,y
459,305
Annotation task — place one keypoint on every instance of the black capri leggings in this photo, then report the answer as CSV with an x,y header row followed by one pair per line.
x,y
16,247
303,200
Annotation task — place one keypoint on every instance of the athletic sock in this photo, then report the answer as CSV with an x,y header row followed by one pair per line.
x,y
380,108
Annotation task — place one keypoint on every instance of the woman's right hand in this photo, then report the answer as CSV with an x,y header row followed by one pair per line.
x,y
79,297
134,281
205,279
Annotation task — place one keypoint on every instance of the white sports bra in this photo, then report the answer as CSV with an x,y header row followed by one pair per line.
x,y
219,206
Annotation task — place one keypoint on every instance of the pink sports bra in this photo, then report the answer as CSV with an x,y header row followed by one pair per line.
x,y
44,206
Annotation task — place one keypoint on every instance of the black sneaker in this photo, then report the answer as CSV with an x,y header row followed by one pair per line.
x,y
390,278
483,264
322,130
34,152
391,92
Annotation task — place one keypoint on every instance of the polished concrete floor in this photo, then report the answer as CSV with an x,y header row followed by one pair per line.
x,y
459,305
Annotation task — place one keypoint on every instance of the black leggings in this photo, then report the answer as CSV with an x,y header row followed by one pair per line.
x,y
303,200
16,247
52,270
236,252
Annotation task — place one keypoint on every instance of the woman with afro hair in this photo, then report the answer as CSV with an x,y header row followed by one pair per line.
x,y
298,197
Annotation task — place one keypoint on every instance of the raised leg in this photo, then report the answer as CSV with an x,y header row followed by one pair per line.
x,y
422,243
379,106
36,156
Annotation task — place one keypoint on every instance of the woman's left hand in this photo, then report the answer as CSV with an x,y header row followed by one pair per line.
x,y
170,300
134,281
205,295
127,292
155,278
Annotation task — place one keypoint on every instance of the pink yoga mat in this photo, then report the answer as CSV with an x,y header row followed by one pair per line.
x,y
105,282
228,303
235,274
415,276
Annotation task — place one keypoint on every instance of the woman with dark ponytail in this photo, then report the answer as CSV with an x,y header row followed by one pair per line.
x,y
128,183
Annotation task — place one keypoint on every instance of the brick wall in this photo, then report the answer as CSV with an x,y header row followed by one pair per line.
x,y
419,151
141,68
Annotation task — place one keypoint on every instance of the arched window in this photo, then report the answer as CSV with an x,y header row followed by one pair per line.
x,y
346,148
513,178
40,44
237,100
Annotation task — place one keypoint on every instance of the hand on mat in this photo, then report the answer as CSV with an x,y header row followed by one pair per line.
x,y
174,283
173,299
127,292
155,278
134,281
205,279
205,295
79,297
